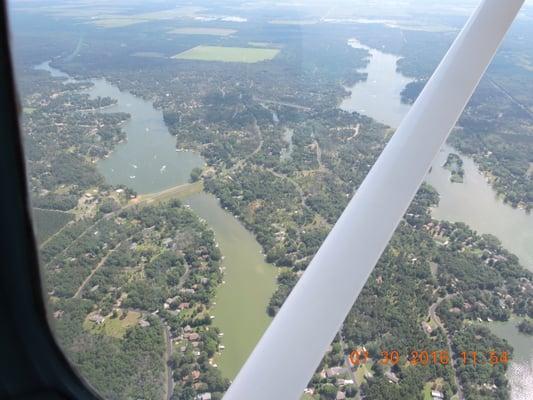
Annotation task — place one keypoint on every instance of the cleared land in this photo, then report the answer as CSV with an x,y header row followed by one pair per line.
x,y
115,327
121,20
293,22
116,22
148,54
228,54
203,31
176,192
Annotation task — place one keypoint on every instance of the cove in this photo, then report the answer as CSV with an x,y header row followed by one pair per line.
x,y
241,301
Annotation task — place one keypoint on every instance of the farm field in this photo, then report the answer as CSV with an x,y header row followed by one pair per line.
x,y
116,22
121,20
148,54
48,222
227,54
203,31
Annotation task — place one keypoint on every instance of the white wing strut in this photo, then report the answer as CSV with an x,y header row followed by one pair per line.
x,y
287,355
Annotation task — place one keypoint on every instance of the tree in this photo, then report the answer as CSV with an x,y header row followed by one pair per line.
x,y
196,173
328,391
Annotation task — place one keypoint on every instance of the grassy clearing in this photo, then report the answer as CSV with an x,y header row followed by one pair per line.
x,y
427,391
117,22
203,31
228,54
172,13
114,327
148,54
48,222
263,44
292,22
121,20
362,371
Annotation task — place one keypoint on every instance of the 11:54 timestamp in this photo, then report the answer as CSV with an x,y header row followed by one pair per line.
x,y
434,357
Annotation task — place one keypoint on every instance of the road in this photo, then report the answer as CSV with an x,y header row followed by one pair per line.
x,y
94,271
283,103
433,315
169,381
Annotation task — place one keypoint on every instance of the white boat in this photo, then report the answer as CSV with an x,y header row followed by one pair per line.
x,y
132,176
163,168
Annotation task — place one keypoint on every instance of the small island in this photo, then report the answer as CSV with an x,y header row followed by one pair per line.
x,y
454,164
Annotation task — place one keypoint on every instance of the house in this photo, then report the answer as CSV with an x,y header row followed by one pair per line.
x,y
204,396
143,323
340,396
195,375
167,242
333,371
435,395
391,376
97,319
342,382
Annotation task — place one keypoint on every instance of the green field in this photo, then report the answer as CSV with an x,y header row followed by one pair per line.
x,y
203,31
117,22
227,54
148,54
48,222
122,20
114,327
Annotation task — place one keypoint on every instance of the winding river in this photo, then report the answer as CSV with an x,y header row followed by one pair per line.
x,y
148,162
473,201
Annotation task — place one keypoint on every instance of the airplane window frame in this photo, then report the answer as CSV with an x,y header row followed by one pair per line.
x,y
32,364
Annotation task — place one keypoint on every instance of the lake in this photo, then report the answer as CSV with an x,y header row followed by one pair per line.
x,y
148,162
473,201
241,302
476,203
521,369
379,95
